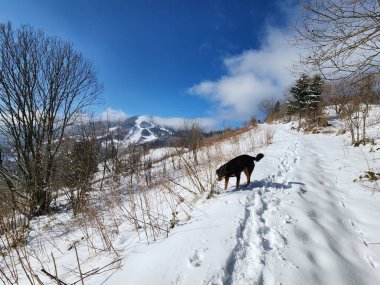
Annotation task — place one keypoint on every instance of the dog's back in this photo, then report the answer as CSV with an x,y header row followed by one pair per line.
x,y
238,163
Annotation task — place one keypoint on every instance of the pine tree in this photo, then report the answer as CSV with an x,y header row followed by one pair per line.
x,y
300,91
306,97
274,114
277,107
314,98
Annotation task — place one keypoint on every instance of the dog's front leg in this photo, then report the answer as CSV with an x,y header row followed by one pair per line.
x,y
237,180
226,182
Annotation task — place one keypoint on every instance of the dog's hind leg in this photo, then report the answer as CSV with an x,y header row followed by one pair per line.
x,y
250,170
248,174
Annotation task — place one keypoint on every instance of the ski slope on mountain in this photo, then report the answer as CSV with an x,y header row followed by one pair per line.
x,y
144,130
302,221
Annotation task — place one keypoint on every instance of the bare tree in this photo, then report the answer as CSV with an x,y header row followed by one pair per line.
x,y
366,90
342,37
77,163
191,136
336,94
352,99
44,85
134,156
267,105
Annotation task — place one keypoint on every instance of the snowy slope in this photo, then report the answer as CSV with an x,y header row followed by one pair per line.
x,y
302,221
145,131
140,129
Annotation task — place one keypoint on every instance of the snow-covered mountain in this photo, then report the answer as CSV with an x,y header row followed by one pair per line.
x,y
142,129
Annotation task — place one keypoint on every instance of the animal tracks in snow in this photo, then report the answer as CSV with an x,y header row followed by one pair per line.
x,y
288,160
259,236
257,239
196,259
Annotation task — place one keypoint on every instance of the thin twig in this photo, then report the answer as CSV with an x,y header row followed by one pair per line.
x,y
51,276
79,268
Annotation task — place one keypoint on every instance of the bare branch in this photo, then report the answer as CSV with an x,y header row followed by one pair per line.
x,y
342,37
44,84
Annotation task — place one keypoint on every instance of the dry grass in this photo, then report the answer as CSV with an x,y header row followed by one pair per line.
x,y
228,134
151,200
269,132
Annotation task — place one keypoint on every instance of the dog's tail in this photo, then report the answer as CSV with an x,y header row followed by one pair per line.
x,y
259,157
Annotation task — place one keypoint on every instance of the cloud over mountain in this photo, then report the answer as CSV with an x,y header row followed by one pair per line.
x,y
178,122
251,76
113,115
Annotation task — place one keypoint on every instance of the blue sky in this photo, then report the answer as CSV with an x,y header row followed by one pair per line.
x,y
210,60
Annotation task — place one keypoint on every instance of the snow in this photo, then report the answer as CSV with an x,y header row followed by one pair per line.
x,y
143,131
159,153
135,135
303,220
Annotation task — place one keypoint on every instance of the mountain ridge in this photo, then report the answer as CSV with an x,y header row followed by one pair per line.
x,y
141,129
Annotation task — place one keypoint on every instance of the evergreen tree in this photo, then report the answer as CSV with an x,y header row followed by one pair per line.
x,y
300,91
275,113
314,98
306,94
272,108
277,107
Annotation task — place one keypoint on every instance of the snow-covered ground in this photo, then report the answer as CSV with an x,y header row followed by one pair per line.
x,y
303,220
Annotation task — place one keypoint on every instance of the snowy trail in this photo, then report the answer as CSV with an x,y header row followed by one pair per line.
x,y
330,251
302,221
259,240
303,229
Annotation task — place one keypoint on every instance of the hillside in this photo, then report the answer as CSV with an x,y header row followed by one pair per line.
x,y
141,129
137,130
307,218
302,221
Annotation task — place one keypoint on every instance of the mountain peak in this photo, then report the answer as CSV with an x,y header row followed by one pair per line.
x,y
142,129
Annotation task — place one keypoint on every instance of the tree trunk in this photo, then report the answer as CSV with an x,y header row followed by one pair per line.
x,y
41,202
352,134
195,156
365,114
358,133
299,120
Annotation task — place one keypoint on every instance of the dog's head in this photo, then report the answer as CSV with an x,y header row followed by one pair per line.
x,y
220,172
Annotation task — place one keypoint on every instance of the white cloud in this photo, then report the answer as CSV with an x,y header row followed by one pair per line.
x,y
113,115
251,76
173,122
178,122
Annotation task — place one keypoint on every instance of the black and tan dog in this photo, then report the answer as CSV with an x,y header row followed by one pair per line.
x,y
235,166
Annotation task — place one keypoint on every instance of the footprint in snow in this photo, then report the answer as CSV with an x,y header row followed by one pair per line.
x,y
371,261
196,259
